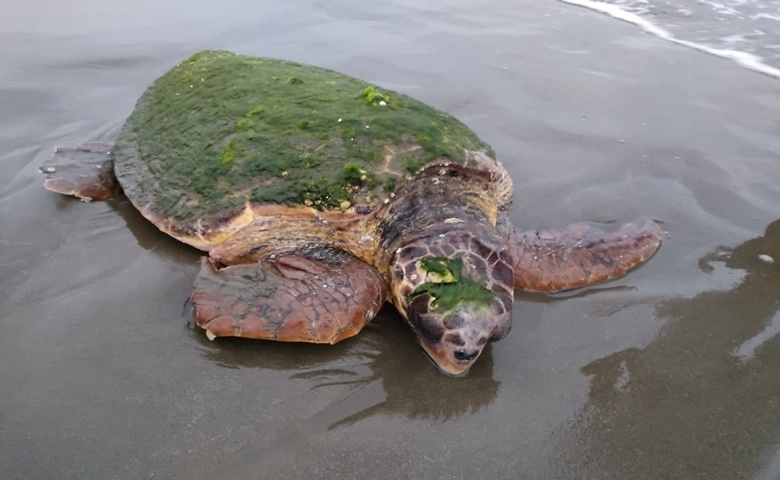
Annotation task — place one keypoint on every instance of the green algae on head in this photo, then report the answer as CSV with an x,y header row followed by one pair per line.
x,y
449,288
442,269
221,129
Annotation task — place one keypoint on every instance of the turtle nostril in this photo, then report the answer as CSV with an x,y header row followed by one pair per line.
x,y
466,354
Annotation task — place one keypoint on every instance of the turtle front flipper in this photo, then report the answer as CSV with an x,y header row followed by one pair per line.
x,y
578,255
85,171
290,298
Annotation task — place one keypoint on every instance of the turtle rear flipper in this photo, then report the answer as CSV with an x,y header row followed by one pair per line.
x,y
85,171
578,255
290,298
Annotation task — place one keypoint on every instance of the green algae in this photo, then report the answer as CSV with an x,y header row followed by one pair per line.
x,y
449,288
220,129
445,269
375,97
229,153
389,184
447,296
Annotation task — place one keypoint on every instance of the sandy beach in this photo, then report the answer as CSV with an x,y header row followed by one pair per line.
x,y
667,373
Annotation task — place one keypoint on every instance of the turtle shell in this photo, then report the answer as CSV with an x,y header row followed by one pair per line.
x,y
223,135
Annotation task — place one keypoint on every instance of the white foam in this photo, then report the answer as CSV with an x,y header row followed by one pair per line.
x,y
767,16
722,8
744,59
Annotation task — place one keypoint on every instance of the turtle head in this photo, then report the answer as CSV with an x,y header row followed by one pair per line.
x,y
456,293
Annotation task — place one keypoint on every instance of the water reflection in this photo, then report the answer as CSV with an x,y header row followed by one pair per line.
x,y
701,400
150,238
385,370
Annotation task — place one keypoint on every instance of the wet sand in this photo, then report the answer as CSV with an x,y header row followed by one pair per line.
x,y
668,373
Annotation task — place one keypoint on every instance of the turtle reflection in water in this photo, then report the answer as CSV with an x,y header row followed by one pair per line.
x,y
318,196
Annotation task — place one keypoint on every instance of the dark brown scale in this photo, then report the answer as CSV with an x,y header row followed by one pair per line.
x,y
414,252
479,248
429,203
429,327
503,274
480,267
447,250
410,268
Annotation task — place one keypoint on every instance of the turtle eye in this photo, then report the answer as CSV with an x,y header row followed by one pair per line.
x,y
430,329
427,324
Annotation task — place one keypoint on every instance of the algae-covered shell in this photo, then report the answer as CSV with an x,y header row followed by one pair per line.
x,y
221,134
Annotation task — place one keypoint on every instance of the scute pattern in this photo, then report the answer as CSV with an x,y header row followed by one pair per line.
x,y
221,131
292,298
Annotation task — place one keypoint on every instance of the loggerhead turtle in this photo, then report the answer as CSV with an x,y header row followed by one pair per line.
x,y
317,196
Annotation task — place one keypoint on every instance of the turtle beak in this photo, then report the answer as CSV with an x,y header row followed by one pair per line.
x,y
453,363
453,340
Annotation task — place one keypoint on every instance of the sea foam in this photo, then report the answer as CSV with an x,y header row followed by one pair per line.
x,y
744,59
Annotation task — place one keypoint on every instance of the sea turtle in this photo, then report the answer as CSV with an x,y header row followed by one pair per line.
x,y
317,196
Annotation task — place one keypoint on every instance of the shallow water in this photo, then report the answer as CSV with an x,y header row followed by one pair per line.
x,y
668,373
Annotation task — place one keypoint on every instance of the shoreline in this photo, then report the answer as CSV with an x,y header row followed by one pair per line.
x,y
741,58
